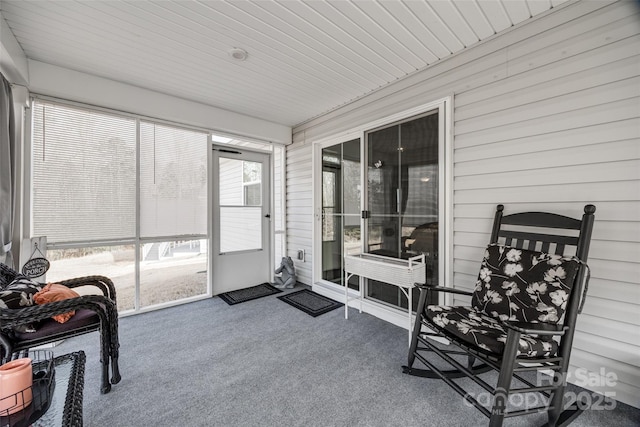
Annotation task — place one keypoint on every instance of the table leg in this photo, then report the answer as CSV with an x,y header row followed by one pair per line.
x,y
410,297
361,290
346,296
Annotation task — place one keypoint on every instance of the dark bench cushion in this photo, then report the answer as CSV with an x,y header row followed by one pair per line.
x,y
48,327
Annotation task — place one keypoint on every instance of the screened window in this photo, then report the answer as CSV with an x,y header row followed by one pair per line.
x,y
91,172
173,181
84,174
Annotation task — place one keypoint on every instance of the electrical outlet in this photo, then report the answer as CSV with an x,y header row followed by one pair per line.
x,y
301,254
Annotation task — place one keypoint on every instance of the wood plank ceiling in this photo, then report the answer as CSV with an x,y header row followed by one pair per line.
x,y
305,58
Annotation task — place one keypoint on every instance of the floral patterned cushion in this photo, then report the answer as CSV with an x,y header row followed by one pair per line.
x,y
522,285
484,332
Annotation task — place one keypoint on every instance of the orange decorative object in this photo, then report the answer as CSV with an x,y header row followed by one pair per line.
x,y
53,292
16,379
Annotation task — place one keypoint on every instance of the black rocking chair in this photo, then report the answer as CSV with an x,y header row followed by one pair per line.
x,y
530,289
92,313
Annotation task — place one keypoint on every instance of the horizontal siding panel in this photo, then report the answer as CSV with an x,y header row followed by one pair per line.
x,y
606,113
608,348
543,173
609,54
623,392
603,290
580,27
592,97
616,291
579,137
297,210
295,225
461,300
299,197
473,225
294,177
611,269
298,137
601,191
468,268
607,327
627,374
626,210
296,202
583,39
300,241
476,240
469,253
301,180
299,218
618,251
625,231
575,82
619,311
299,170
298,160
298,151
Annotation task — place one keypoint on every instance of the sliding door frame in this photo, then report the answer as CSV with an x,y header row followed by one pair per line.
x,y
444,106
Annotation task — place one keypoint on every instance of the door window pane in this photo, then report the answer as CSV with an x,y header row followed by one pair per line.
x,y
351,177
332,250
383,171
240,205
341,190
383,235
252,180
240,228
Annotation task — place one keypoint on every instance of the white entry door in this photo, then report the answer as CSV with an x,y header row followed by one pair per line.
x,y
241,219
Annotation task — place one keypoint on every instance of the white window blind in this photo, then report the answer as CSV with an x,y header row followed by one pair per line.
x,y
84,174
173,181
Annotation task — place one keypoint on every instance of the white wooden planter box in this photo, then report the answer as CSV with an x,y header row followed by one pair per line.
x,y
399,272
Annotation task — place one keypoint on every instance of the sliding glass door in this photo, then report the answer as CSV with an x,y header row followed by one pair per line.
x,y
340,208
382,194
402,203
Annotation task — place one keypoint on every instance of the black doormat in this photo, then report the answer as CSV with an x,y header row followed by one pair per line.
x,y
311,303
248,294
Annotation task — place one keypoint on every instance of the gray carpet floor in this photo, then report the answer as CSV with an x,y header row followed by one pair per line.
x,y
265,363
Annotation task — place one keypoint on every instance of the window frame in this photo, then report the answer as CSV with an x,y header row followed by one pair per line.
x,y
136,240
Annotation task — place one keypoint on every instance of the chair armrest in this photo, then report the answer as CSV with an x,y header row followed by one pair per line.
x,y
101,282
99,304
444,289
535,328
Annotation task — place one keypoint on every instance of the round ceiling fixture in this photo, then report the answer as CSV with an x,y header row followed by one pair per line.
x,y
238,54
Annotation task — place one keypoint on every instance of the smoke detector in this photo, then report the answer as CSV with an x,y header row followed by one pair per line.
x,y
238,54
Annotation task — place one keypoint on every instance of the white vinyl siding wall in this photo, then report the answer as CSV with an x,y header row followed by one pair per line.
x,y
546,117
299,208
